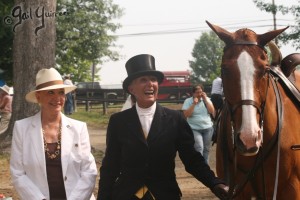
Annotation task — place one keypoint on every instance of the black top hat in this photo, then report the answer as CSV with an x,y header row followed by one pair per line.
x,y
141,65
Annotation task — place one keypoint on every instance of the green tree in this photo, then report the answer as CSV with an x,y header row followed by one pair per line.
x,y
33,49
84,36
207,54
270,7
6,42
293,37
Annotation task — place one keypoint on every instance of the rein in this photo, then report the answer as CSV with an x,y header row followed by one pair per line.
x,y
235,189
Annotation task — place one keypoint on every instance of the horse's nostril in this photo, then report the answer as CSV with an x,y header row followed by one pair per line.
x,y
242,148
239,143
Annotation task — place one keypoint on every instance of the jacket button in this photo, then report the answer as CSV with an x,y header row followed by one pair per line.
x,y
65,178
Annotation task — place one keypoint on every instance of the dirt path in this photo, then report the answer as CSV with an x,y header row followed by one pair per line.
x,y
190,187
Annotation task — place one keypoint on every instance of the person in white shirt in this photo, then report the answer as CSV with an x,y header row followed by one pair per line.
x,y
51,155
69,104
5,108
217,95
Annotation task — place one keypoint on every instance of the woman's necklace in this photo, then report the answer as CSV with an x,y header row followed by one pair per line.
x,y
57,149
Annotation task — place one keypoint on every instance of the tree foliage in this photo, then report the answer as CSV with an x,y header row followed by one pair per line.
x,y
270,8
293,36
33,49
207,54
84,39
6,43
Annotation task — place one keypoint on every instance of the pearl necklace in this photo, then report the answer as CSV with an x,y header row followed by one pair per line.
x,y
57,150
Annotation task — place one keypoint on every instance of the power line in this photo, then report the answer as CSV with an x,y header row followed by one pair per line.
x,y
197,22
196,29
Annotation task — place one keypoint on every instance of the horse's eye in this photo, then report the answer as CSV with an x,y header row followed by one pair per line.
x,y
263,57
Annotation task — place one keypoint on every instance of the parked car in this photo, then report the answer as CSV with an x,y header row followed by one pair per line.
x,y
88,90
114,92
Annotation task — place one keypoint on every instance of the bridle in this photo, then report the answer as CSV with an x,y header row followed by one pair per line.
x,y
258,106
263,153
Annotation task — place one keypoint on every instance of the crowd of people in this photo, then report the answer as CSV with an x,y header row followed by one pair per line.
x,y
51,153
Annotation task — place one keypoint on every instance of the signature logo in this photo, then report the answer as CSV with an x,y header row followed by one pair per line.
x,y
19,15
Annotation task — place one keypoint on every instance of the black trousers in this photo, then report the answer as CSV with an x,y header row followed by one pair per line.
x,y
217,101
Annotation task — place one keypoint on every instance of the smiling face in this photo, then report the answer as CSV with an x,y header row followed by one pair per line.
x,y
145,90
51,101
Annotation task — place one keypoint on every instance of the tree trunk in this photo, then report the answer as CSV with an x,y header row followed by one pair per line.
x,y
33,49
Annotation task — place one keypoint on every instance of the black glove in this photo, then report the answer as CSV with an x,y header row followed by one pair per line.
x,y
221,191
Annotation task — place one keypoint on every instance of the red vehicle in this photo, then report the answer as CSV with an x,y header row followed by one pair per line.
x,y
176,85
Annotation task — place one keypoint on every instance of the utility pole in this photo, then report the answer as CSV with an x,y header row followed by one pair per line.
x,y
93,74
274,10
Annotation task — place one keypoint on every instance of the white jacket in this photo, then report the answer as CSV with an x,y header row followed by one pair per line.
x,y
28,165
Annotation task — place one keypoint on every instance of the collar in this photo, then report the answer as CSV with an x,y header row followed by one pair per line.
x,y
146,111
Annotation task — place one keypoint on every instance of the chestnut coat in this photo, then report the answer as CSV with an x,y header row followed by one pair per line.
x,y
132,161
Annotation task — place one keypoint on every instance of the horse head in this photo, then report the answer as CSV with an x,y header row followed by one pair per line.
x,y
244,71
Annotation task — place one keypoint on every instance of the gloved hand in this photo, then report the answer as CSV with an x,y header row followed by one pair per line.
x,y
221,191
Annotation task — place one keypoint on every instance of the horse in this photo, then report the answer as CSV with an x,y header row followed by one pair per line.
x,y
258,141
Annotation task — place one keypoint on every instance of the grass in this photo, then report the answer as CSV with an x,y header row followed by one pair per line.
x,y
95,117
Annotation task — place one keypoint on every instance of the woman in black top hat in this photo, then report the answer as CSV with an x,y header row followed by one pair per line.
x,y
142,143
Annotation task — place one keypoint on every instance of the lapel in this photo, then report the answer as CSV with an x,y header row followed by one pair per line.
x,y
134,124
36,136
67,137
156,128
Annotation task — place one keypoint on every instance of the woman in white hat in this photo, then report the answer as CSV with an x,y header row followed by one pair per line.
x,y
50,156
5,108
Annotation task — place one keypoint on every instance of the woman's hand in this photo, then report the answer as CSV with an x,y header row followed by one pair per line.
x,y
195,100
221,191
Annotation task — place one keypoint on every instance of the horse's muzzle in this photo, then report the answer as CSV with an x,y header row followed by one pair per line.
x,y
242,148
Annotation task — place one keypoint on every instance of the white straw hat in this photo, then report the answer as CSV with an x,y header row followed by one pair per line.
x,y
48,79
5,88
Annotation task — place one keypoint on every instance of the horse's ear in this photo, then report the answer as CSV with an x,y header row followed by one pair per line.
x,y
223,34
263,39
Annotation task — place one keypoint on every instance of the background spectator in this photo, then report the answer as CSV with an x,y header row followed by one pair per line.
x,y
197,109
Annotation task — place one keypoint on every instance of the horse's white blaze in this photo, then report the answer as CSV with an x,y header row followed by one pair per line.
x,y
249,127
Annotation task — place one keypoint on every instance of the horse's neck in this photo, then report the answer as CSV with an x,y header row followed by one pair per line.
x,y
296,76
272,107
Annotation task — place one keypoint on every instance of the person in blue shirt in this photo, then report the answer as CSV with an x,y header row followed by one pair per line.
x,y
197,110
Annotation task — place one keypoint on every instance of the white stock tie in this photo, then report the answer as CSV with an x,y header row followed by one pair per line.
x,y
146,120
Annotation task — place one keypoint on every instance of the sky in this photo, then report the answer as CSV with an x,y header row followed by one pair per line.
x,y
168,29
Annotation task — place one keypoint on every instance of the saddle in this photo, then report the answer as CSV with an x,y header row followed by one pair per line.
x,y
286,74
289,63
